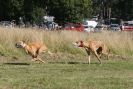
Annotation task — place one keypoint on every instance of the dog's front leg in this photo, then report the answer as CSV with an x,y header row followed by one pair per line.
x,y
26,51
89,58
88,52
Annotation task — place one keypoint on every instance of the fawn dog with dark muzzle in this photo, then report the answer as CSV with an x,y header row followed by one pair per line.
x,y
96,47
33,49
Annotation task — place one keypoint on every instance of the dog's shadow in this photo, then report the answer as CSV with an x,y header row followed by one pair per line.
x,y
70,63
26,64
16,63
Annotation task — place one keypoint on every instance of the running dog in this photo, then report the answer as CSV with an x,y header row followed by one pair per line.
x,y
96,47
33,49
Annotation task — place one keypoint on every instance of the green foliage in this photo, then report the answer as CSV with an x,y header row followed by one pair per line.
x,y
34,12
63,10
11,9
70,10
38,14
119,8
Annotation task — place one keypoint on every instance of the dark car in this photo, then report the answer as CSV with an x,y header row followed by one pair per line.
x,y
99,28
6,23
115,27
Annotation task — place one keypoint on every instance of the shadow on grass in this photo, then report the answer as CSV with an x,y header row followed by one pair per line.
x,y
71,63
16,63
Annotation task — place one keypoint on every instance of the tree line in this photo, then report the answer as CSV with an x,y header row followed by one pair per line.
x,y
65,10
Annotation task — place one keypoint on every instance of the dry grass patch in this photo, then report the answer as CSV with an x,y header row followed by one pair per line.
x,y
61,41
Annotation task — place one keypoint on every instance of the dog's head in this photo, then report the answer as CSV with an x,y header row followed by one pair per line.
x,y
20,44
78,44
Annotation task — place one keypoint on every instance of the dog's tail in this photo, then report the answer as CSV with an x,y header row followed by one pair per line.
x,y
117,56
108,54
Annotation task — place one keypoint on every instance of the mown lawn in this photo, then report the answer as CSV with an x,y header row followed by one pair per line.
x,y
112,74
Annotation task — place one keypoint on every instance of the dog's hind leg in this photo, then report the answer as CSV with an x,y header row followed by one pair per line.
x,y
97,56
107,54
39,59
99,51
34,59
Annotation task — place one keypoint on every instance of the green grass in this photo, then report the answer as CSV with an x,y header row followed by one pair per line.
x,y
112,74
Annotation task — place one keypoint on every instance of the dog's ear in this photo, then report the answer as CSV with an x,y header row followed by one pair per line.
x,y
23,41
81,41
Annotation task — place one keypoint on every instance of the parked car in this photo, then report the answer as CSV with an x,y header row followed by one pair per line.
x,y
88,28
127,26
89,25
115,27
74,27
99,28
6,23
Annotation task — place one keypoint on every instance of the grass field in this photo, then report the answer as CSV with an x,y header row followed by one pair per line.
x,y
69,69
112,74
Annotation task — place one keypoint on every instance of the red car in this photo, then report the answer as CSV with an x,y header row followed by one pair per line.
x,y
127,26
74,27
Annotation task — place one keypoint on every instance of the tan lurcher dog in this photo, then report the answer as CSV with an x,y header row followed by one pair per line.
x,y
33,49
96,47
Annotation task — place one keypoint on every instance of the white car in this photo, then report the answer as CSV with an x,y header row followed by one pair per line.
x,y
89,25
88,28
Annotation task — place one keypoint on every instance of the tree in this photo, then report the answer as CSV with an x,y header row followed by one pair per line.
x,y
70,10
119,8
34,11
12,9
64,10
